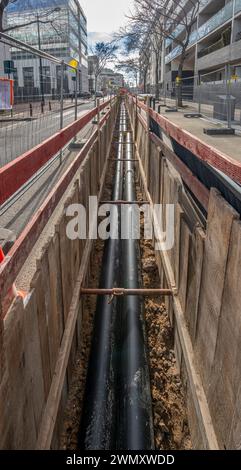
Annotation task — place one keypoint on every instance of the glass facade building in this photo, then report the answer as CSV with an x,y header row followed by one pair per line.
x,y
62,33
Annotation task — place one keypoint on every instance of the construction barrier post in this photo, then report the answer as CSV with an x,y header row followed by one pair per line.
x,y
228,86
61,104
148,136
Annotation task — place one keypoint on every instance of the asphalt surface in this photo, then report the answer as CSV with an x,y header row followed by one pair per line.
x,y
18,137
17,214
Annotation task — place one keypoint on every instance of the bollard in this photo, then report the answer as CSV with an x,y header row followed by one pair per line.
x,y
50,106
42,107
159,109
31,110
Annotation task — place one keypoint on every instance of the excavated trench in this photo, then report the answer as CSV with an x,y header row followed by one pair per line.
x,y
168,411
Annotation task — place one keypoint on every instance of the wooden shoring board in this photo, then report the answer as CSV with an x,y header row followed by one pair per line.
x,y
234,441
196,187
196,388
33,360
220,220
154,173
70,263
6,413
185,236
51,409
2,353
55,281
223,394
38,285
21,413
195,264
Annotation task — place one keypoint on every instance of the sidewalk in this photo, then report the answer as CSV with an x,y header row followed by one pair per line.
x,y
21,112
228,144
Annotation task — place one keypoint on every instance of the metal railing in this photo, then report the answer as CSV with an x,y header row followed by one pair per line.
x,y
215,95
47,97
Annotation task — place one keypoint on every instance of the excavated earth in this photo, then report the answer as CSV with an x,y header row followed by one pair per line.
x,y
169,407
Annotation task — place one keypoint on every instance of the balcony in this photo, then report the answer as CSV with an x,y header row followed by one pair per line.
x,y
237,7
217,20
213,23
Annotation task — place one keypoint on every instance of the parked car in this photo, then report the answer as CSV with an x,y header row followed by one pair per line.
x,y
85,95
99,94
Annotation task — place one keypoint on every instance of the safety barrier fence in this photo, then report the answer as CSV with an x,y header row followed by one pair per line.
x,y
39,335
215,95
203,270
200,149
16,173
39,93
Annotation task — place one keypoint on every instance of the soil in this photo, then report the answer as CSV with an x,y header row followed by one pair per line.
x,y
69,438
169,408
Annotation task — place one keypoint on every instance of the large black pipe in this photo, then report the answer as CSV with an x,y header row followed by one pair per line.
x,y
117,411
98,423
136,426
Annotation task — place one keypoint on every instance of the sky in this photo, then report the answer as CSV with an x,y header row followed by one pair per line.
x,y
105,16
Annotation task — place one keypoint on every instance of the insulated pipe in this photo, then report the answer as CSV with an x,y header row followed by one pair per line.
x,y
98,424
136,426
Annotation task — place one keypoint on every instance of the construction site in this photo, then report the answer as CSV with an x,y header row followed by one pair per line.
x,y
120,241
113,343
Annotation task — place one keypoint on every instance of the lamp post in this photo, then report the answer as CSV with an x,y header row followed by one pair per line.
x,y
55,10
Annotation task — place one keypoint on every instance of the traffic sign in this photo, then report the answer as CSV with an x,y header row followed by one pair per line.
x,y
8,66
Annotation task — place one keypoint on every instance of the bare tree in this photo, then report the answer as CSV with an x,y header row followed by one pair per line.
x,y
130,67
102,54
134,44
159,20
143,33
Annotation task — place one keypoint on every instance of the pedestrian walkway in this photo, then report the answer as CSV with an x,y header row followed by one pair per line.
x,y
228,144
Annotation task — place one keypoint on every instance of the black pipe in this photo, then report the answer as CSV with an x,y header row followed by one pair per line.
x,y
117,411
136,426
98,423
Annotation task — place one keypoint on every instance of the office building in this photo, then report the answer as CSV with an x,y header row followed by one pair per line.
x,y
62,32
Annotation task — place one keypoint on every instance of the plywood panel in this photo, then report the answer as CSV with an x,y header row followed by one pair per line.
x,y
6,415
38,284
234,441
185,235
194,279
20,397
33,363
226,371
220,220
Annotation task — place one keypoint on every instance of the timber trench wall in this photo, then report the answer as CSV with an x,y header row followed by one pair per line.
x,y
204,271
39,338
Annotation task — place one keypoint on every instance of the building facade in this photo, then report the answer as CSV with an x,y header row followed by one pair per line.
x,y
62,32
92,66
110,81
215,42
4,53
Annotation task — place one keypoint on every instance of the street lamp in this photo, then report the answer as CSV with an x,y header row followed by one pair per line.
x,y
55,10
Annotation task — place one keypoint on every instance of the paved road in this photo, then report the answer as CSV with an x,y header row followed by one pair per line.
x,y
18,137
16,216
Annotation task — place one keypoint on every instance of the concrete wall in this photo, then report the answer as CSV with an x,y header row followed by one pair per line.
x,y
223,56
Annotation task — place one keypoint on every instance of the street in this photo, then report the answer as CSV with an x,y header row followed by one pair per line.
x,y
18,137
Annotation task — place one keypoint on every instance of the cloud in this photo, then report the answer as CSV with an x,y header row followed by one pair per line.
x,y
94,37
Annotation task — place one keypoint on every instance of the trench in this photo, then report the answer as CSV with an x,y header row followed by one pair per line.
x,y
126,391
